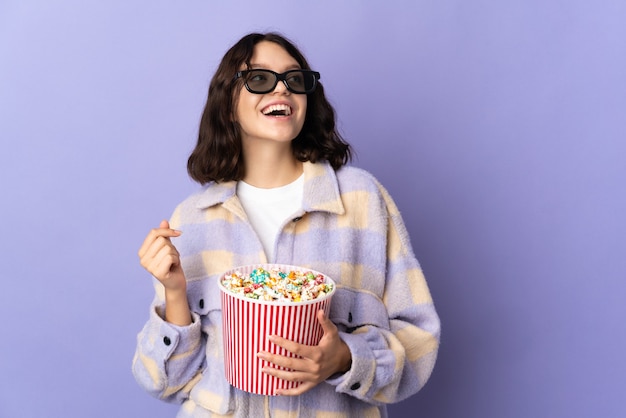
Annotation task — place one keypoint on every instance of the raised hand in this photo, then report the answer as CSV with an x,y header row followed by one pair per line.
x,y
159,256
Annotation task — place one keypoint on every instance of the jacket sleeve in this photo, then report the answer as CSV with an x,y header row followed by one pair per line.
x,y
393,357
168,358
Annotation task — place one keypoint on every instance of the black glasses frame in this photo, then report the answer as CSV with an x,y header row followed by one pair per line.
x,y
278,77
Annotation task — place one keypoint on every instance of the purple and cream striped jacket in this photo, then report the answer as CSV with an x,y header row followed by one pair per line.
x,y
350,229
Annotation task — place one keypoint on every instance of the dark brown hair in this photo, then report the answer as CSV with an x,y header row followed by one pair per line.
x,y
217,155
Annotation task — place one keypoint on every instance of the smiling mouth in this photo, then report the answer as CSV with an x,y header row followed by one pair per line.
x,y
277,110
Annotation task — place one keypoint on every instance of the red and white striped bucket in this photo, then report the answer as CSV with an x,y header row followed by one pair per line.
x,y
246,324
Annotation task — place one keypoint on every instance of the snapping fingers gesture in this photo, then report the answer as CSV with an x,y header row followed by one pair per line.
x,y
159,256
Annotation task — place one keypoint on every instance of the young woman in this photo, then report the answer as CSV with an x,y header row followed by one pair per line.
x,y
276,188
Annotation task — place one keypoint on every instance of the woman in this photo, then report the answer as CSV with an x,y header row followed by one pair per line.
x,y
277,189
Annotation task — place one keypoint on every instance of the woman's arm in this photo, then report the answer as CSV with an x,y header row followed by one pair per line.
x,y
170,347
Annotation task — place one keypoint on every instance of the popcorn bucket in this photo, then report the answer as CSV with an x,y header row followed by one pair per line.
x,y
247,322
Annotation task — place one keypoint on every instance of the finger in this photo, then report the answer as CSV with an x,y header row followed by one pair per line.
x,y
287,375
166,225
305,381
299,390
165,261
155,233
151,253
292,363
283,342
327,325
159,253
291,346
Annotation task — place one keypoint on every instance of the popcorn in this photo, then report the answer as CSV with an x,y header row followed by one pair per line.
x,y
278,285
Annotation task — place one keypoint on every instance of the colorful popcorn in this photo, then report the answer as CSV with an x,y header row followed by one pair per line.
x,y
278,285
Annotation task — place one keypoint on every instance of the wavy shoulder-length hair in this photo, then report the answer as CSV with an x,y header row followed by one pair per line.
x,y
218,153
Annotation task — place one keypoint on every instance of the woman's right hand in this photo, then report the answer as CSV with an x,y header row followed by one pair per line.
x,y
159,256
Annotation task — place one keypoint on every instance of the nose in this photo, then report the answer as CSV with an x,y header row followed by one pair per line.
x,y
281,87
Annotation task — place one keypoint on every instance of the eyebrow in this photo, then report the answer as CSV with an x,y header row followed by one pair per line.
x,y
263,67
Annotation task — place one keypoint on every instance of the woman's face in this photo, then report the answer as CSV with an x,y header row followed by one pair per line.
x,y
275,116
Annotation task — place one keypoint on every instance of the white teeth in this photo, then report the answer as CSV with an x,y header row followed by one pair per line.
x,y
285,109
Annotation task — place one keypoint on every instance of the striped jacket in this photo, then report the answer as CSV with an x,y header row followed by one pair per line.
x,y
348,228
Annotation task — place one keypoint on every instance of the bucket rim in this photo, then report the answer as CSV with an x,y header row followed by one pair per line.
x,y
250,267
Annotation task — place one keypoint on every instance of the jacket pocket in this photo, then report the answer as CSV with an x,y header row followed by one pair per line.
x,y
204,296
351,309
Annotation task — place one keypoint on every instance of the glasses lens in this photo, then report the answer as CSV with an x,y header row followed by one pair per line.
x,y
264,81
261,81
300,81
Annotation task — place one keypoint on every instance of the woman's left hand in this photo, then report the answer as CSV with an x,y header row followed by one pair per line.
x,y
314,364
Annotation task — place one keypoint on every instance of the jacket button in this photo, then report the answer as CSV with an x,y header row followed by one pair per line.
x,y
355,386
296,219
166,340
201,303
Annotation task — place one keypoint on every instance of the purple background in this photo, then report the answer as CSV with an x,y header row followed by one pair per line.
x,y
498,126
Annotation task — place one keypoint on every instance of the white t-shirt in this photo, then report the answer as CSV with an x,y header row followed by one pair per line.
x,y
267,209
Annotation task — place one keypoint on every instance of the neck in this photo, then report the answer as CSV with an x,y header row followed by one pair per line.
x,y
271,166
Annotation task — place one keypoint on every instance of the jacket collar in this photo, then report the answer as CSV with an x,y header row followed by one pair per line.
x,y
321,191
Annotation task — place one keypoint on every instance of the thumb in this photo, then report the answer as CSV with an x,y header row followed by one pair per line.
x,y
164,224
327,324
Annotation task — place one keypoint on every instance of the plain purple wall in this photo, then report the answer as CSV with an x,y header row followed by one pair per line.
x,y
498,126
